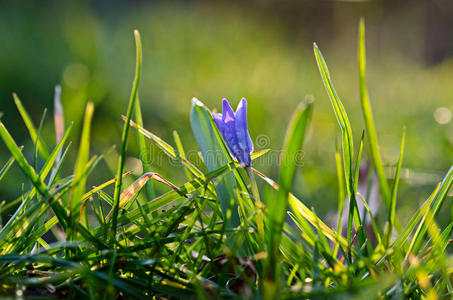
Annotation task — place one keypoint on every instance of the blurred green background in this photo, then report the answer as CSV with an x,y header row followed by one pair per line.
x,y
261,50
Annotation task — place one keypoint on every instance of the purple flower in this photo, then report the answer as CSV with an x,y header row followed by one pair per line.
x,y
233,128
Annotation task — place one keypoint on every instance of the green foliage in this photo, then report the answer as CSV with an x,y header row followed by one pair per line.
x,y
277,208
212,236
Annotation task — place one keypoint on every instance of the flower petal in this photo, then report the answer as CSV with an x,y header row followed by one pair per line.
x,y
227,112
243,136
219,122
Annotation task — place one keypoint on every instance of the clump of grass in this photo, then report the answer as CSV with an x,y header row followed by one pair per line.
x,y
212,237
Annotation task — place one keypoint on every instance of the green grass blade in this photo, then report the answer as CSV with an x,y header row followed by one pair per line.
x,y
6,167
368,117
391,215
42,148
38,137
53,157
166,148
181,152
373,220
31,173
441,195
431,208
346,134
341,195
122,157
342,118
301,212
353,207
418,215
80,175
144,152
276,208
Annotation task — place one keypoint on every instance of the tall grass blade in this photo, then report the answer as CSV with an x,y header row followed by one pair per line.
x,y
144,151
42,148
181,152
432,209
368,117
6,167
31,173
276,208
391,215
80,175
346,134
341,195
122,157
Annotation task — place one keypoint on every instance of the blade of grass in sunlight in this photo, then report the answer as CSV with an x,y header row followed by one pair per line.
x,y
42,148
166,148
373,220
356,216
144,151
31,173
40,186
122,157
341,194
391,215
276,209
135,188
368,117
340,114
80,175
418,215
346,134
180,152
304,214
434,209
38,137
6,167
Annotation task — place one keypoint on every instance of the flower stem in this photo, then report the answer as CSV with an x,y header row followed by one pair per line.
x,y
259,208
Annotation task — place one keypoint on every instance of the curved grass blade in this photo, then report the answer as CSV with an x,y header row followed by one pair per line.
x,y
303,213
31,173
439,199
277,208
144,153
181,153
346,134
166,148
122,157
6,167
342,118
368,117
341,195
42,148
38,137
80,176
171,196
391,215
131,191
373,221
419,214
49,197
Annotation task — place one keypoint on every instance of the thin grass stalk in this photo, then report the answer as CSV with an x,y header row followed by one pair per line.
x,y
121,160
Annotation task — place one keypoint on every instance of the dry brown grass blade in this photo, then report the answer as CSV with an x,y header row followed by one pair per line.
x,y
138,184
89,195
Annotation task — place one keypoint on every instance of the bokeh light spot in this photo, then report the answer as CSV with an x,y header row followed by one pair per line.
x,y
442,115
